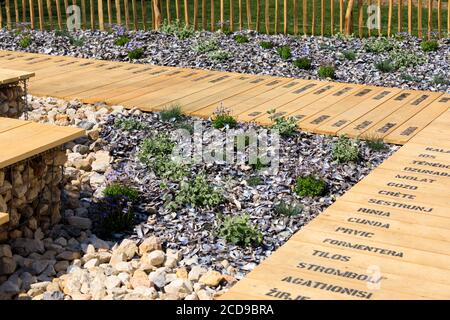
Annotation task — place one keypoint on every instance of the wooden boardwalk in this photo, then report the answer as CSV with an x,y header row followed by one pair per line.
x,y
394,115
388,237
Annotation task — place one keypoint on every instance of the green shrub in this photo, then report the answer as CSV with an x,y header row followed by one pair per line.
x,y
166,168
379,45
254,181
403,59
206,46
384,66
283,208
349,55
171,113
284,52
408,77
129,124
77,42
116,215
219,55
62,33
377,145
25,42
239,231
136,53
285,126
441,79
155,154
115,190
374,142
177,29
222,118
186,126
116,208
345,150
121,41
266,44
326,71
239,38
310,186
429,45
160,145
302,63
196,193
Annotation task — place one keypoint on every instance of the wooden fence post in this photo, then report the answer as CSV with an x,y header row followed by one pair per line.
x,y
332,16
360,19
195,14
222,16
101,22
16,11
231,15
295,9
419,18
213,18
391,4
249,15
349,18
241,23
204,14
258,14
157,11
134,9
41,14
8,14
58,14
186,13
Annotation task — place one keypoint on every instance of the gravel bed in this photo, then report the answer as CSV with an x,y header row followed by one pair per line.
x,y
168,50
194,230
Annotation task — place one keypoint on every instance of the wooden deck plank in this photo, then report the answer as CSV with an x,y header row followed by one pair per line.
x,y
184,88
4,218
369,119
10,76
401,115
238,103
300,256
296,90
304,105
141,79
167,80
34,139
352,97
333,125
8,124
221,92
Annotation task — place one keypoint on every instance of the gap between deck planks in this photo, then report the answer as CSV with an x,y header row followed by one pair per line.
x,y
367,112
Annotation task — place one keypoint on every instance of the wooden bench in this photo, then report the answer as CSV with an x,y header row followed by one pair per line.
x,y
20,140
8,76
